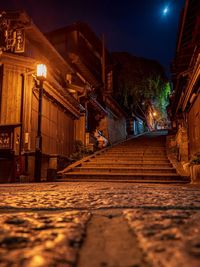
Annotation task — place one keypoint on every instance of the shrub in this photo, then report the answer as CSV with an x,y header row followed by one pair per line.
x,y
80,151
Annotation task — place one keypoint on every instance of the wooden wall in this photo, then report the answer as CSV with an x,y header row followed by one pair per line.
x,y
57,127
57,124
11,95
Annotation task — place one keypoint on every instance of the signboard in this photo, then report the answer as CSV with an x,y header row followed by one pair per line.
x,y
19,40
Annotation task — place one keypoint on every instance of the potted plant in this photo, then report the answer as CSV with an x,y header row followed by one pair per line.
x,y
195,168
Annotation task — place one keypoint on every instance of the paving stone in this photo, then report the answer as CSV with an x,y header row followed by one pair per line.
x,y
35,239
164,239
97,195
44,224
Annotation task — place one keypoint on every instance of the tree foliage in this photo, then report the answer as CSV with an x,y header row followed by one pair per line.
x,y
162,99
140,81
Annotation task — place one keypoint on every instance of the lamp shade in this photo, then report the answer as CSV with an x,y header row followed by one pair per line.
x,y
41,71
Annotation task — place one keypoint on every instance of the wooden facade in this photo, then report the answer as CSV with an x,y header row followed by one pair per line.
x,y
185,106
19,104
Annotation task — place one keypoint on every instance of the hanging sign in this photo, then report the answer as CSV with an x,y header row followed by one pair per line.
x,y
19,41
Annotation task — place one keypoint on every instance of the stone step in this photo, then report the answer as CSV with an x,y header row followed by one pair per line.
x,y
138,160
124,176
130,160
125,170
144,181
136,146
126,157
125,164
130,149
137,149
134,153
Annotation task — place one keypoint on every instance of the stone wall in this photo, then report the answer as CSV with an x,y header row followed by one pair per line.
x,y
178,145
182,144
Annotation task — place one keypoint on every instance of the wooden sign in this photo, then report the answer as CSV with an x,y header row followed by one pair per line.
x,y
19,41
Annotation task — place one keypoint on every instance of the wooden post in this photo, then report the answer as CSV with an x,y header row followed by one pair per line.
x,y
38,150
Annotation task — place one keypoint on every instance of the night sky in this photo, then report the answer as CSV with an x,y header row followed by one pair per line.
x,y
136,26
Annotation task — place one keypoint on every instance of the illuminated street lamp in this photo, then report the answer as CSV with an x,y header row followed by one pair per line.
x,y
154,113
41,72
41,76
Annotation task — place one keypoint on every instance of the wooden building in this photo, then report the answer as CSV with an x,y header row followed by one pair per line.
x,y
22,47
185,101
94,66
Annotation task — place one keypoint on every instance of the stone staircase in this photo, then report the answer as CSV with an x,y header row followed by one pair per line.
x,y
141,159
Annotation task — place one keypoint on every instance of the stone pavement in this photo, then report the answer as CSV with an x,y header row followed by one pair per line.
x,y
99,224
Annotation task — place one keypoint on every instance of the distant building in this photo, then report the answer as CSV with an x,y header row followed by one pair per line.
x,y
185,101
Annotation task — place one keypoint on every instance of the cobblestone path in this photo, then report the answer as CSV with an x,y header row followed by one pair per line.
x,y
99,224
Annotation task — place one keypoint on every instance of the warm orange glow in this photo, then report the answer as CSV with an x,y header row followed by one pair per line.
x,y
41,71
154,114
